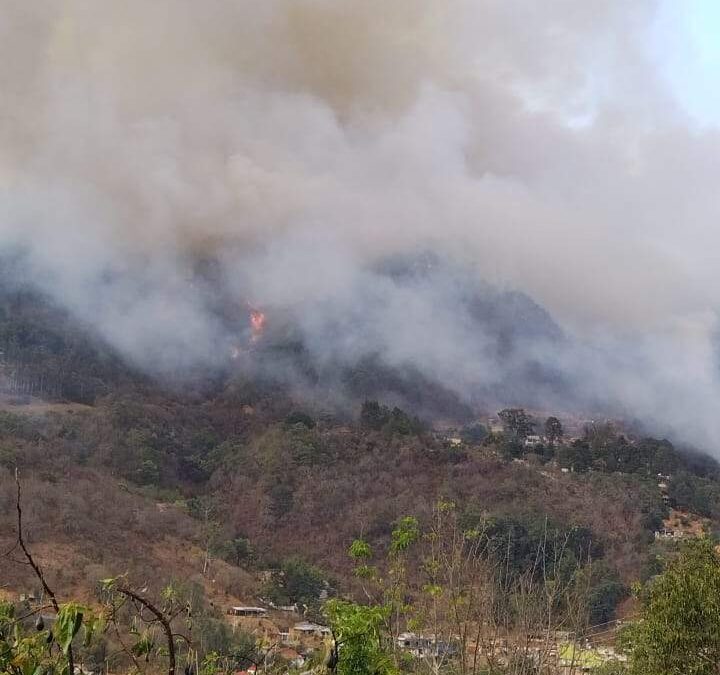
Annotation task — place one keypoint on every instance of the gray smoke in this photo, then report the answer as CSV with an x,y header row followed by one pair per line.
x,y
300,143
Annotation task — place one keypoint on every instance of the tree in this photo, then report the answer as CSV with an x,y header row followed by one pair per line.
x,y
517,422
679,629
464,584
373,415
156,617
689,492
237,551
296,582
577,456
553,430
36,649
358,632
299,417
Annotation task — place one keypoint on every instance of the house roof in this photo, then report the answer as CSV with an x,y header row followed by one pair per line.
x,y
242,608
308,626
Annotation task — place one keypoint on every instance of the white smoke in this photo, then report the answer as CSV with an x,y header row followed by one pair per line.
x,y
299,142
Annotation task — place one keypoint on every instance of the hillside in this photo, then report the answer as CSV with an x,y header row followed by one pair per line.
x,y
239,486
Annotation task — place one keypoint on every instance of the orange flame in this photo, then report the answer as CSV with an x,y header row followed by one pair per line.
x,y
257,324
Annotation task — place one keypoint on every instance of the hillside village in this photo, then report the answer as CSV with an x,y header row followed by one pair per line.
x,y
514,443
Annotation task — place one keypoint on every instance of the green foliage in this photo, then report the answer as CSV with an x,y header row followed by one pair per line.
x,y
20,652
27,651
679,631
299,417
401,423
360,550
606,593
296,582
237,551
511,447
141,459
553,430
8,456
474,433
68,623
694,494
516,422
17,426
213,638
306,446
282,499
359,631
375,416
406,533
577,456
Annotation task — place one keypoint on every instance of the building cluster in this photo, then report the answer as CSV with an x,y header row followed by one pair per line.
x,y
558,650
280,636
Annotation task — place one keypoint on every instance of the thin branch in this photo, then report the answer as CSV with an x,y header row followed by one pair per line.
x,y
36,567
161,618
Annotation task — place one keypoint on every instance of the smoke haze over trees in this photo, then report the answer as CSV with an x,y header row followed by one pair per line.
x,y
168,167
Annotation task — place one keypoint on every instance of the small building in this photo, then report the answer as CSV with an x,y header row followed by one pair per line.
x,y
252,612
308,634
425,645
532,441
667,533
254,620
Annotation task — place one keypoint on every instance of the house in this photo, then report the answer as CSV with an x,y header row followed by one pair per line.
x,y
254,620
293,609
532,441
254,612
425,645
309,634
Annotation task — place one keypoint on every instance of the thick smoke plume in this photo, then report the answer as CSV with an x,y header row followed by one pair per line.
x,y
299,145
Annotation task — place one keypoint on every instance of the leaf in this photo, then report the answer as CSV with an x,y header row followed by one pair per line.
x,y
144,646
68,623
405,534
360,550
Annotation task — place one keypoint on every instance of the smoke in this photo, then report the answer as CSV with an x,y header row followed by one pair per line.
x,y
301,144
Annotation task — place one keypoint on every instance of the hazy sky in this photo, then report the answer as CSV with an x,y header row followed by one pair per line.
x,y
685,38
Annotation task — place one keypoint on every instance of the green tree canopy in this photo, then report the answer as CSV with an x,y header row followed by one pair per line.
x,y
517,422
359,631
679,631
553,429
